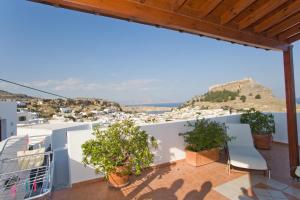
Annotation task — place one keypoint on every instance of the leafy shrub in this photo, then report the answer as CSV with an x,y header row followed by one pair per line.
x,y
260,123
257,96
205,135
220,96
122,144
232,98
243,98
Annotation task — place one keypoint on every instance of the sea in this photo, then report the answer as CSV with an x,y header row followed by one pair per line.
x,y
168,105
173,105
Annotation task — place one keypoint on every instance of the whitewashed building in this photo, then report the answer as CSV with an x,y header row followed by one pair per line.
x,y
26,117
8,119
65,110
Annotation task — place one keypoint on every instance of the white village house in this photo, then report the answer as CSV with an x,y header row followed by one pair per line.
x,y
8,119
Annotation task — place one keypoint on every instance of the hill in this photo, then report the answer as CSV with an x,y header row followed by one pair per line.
x,y
48,107
13,96
239,95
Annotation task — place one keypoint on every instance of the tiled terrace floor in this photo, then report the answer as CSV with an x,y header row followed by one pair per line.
x,y
181,181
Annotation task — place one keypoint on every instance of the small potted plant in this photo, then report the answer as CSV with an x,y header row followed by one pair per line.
x,y
204,141
262,127
118,151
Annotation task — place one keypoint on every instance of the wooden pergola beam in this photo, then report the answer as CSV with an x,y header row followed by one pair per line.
x,y
260,13
138,12
289,33
235,10
278,17
291,109
294,38
286,24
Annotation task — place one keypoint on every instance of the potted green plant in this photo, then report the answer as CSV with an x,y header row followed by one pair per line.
x,y
204,141
118,151
262,127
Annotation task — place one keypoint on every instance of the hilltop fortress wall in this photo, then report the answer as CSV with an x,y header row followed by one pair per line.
x,y
232,85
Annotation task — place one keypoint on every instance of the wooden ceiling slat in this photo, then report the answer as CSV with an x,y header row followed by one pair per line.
x,y
235,10
279,16
286,24
260,13
289,33
207,7
178,4
294,38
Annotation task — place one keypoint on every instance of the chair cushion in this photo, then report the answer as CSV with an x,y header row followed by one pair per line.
x,y
31,158
241,149
247,157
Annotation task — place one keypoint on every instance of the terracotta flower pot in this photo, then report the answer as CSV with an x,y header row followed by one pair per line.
x,y
262,141
119,178
202,157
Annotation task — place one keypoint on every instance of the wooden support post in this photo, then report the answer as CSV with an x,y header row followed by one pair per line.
x,y
291,109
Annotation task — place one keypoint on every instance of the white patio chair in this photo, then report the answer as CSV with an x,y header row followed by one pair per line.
x,y
241,150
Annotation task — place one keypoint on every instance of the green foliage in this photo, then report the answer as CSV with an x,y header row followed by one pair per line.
x,y
257,96
122,144
220,96
232,98
243,98
205,135
260,123
71,118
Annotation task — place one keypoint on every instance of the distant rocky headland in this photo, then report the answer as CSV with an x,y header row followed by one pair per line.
x,y
239,95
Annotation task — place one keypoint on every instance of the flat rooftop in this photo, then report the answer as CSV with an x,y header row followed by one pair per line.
x,y
54,126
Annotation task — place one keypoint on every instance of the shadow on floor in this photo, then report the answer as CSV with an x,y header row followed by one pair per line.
x,y
170,192
199,194
164,192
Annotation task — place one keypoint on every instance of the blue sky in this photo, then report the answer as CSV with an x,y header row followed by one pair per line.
x,y
82,55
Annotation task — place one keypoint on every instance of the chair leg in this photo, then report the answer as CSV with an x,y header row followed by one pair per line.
x,y
228,167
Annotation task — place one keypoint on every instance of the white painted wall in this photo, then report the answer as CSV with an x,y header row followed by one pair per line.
x,y
8,117
171,146
59,136
281,133
77,171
